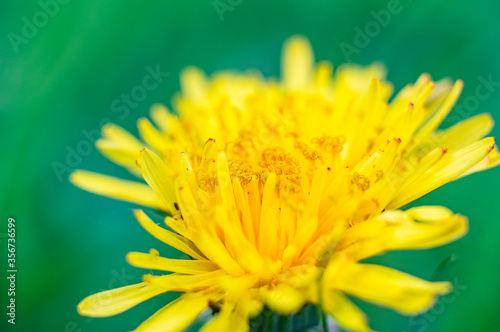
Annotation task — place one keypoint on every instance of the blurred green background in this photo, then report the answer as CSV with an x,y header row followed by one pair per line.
x,y
59,80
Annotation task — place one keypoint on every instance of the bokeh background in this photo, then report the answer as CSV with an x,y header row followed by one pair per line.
x,y
59,80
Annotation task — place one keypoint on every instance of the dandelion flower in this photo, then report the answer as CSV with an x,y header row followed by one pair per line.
x,y
276,189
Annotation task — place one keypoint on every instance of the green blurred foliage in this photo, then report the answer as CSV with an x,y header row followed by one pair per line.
x,y
64,78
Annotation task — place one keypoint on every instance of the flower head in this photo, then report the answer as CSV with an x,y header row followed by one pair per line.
x,y
276,189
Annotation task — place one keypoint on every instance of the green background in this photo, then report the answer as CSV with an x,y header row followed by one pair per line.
x,y
63,80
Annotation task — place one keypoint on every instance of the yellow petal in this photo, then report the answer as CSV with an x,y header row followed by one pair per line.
x,y
494,158
215,250
151,135
187,172
284,299
159,177
424,235
228,320
189,204
491,160
117,134
269,218
225,185
117,300
155,262
160,115
171,129
238,245
193,83
443,111
209,156
429,213
244,209
120,154
463,133
297,63
345,313
451,166
186,283
387,287
308,222
323,74
418,228
109,186
414,171
172,239
177,315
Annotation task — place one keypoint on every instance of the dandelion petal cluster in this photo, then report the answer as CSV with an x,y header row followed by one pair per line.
x,y
277,188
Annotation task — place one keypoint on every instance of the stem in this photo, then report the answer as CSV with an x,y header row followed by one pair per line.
x,y
269,322
322,313
324,322
284,324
